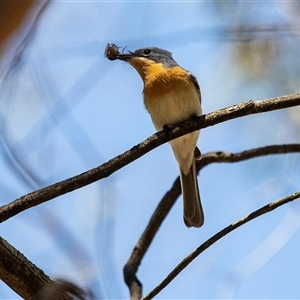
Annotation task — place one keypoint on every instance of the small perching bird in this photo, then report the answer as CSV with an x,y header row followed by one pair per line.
x,y
171,96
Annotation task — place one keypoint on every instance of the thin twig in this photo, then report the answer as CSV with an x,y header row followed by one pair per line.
x,y
226,157
186,261
108,168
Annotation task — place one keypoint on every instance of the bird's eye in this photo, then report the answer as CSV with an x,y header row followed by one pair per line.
x,y
147,52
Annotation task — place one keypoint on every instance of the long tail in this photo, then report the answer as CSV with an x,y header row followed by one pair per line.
x,y
192,209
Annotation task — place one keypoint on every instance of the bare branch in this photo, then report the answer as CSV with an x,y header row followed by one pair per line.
x,y
131,267
23,276
221,156
171,196
186,261
108,168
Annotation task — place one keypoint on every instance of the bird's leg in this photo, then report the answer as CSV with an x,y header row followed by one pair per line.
x,y
167,128
194,117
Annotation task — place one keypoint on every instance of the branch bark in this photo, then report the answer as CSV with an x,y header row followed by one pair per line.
x,y
21,275
108,168
226,157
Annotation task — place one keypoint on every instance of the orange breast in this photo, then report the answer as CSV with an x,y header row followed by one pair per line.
x,y
159,82
171,98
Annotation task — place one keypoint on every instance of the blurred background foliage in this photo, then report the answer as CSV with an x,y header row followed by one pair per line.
x,y
64,108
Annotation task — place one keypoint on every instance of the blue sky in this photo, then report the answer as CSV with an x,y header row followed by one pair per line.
x,y
66,108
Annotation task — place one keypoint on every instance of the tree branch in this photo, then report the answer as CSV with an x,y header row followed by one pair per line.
x,y
165,205
186,261
160,213
108,168
226,157
23,276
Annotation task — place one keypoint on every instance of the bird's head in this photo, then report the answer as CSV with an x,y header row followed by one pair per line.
x,y
148,58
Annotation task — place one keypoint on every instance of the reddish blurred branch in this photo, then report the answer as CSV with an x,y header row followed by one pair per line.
x,y
19,17
12,15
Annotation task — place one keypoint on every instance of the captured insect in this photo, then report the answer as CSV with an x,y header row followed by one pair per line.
x,y
112,51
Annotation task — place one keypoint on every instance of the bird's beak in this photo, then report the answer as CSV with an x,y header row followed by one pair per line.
x,y
125,56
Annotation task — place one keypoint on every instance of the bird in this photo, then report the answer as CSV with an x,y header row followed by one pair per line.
x,y
171,96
